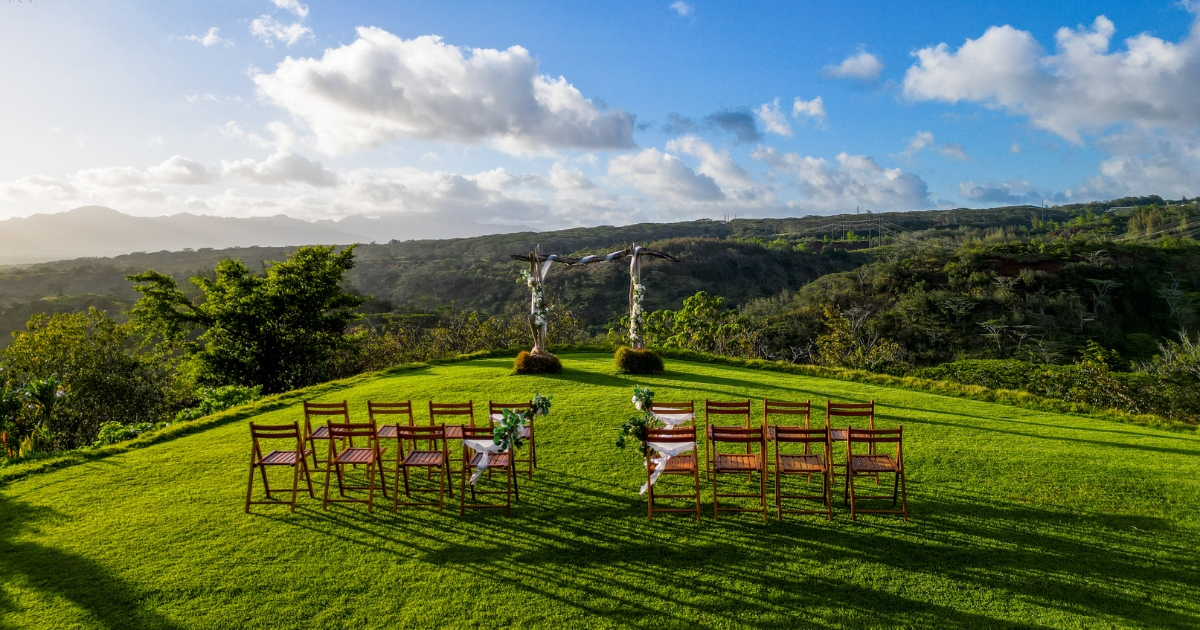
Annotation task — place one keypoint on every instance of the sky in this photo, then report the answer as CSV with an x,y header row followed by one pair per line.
x,y
565,113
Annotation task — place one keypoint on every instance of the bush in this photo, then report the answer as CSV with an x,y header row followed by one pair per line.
x,y
527,363
114,432
644,361
219,399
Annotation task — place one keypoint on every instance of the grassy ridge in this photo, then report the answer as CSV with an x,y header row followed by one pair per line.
x,y
1020,518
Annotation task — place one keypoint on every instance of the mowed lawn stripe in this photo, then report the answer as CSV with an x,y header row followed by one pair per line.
x,y
1019,519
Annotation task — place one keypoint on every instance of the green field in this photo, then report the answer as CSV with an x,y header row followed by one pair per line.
x,y
1019,519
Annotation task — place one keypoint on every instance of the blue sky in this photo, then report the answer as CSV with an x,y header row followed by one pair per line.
x,y
551,114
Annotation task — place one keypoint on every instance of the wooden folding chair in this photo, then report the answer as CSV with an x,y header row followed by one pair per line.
x,y
350,455
846,410
680,464
429,459
786,408
495,461
495,415
806,463
874,464
747,463
740,409
379,412
296,457
459,415
321,433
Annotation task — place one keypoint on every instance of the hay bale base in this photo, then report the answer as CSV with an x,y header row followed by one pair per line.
x,y
634,361
528,363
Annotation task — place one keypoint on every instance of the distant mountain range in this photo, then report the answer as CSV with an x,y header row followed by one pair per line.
x,y
95,231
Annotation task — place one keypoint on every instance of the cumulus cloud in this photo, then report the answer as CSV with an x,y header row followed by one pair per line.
x,y
381,88
1082,87
664,176
284,167
854,180
773,120
861,66
682,8
209,38
1012,193
814,109
270,30
37,187
924,139
301,10
739,122
736,183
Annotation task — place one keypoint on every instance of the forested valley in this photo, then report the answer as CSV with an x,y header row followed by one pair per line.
x,y
1092,303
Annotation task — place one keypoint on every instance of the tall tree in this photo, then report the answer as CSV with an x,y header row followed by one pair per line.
x,y
278,329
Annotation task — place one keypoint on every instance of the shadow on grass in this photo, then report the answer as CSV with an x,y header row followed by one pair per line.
x,y
55,574
585,545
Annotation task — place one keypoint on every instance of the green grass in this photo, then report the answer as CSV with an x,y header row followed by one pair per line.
x,y
1020,518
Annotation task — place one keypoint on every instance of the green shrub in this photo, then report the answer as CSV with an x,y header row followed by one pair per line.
x,y
644,361
217,399
527,363
114,432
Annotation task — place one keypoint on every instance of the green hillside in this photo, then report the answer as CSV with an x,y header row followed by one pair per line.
x,y
1019,519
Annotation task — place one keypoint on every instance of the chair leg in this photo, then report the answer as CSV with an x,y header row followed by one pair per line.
x,y
904,495
250,484
462,494
308,477
295,484
762,492
382,479
895,487
850,485
441,491
508,489
266,486
696,489
325,502
716,499
828,494
371,486
512,466
778,498
396,487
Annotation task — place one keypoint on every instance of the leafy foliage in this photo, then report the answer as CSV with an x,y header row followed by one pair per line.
x,y
278,330
96,360
216,399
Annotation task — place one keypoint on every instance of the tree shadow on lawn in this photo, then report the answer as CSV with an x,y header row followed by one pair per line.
x,y
54,573
587,547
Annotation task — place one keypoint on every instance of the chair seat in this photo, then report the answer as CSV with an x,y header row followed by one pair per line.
x,y
728,462
433,459
356,456
873,463
837,435
389,431
321,433
281,458
801,463
678,464
495,460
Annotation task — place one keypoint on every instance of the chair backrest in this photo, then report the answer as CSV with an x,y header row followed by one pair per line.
x,y
275,432
851,410
324,409
738,434
390,409
716,408
673,407
874,437
803,435
786,408
495,409
678,434
352,430
438,412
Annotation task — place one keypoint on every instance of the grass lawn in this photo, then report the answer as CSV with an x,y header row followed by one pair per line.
x,y
1019,519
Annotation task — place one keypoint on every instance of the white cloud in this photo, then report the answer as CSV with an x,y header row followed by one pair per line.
x,y
664,176
924,139
179,170
682,8
381,88
1082,87
284,167
862,66
564,178
37,187
294,6
773,120
269,30
209,38
814,109
736,183
1011,193
1014,147
855,180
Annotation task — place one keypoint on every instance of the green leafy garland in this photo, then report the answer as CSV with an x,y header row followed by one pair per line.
x,y
508,433
636,426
